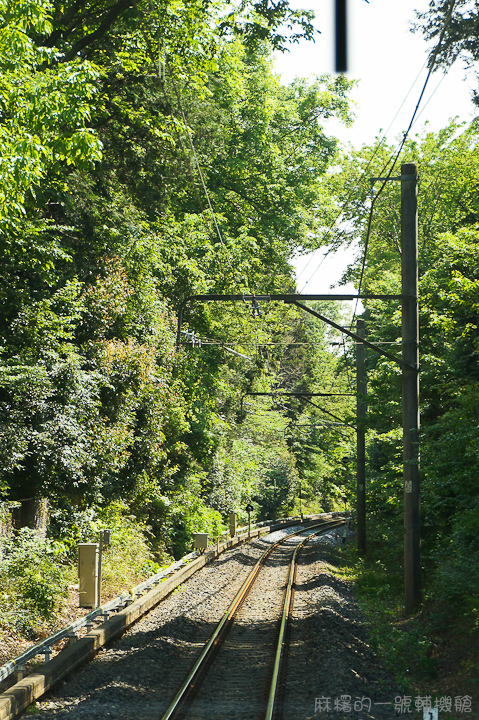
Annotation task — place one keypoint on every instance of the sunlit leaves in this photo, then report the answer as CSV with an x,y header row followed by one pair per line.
x,y
109,229
45,110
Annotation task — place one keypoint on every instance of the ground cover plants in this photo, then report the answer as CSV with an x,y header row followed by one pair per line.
x,y
139,172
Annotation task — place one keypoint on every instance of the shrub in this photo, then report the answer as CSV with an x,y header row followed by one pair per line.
x,y
455,581
189,514
33,581
129,559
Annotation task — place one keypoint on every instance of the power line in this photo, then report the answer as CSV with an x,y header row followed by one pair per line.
x,y
310,258
198,167
397,152
185,124
363,175
432,63
430,97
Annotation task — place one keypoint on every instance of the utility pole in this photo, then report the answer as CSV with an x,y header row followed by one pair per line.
x,y
361,440
410,387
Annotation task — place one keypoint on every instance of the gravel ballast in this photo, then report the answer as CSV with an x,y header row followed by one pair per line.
x,y
138,675
330,666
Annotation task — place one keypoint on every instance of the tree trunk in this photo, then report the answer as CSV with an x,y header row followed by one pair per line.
x,y
32,513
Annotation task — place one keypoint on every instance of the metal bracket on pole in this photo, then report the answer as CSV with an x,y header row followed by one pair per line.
x,y
389,179
335,417
350,334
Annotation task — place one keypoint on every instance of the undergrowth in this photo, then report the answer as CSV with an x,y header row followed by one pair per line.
x,y
33,582
403,642
129,558
35,571
427,655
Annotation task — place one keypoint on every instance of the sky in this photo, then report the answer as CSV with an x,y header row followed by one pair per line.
x,y
389,63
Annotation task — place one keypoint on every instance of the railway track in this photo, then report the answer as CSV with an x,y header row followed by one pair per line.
x,y
243,663
330,658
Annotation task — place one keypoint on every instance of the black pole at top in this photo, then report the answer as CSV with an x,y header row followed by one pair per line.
x,y
341,36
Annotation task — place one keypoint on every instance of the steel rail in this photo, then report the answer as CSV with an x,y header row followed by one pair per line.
x,y
17,664
240,596
287,607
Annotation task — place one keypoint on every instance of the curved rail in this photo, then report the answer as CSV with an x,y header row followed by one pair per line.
x,y
287,610
192,679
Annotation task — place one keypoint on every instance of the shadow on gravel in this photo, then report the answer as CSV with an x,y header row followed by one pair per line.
x,y
141,673
332,671
330,662
148,664
143,669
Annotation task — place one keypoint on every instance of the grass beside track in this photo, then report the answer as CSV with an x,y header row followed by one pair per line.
x,y
427,658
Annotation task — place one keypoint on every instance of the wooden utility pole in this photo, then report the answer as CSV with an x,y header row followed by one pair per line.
x,y
361,440
410,387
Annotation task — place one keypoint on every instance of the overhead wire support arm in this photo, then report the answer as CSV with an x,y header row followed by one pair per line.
x,y
288,299
356,337
327,412
384,180
235,352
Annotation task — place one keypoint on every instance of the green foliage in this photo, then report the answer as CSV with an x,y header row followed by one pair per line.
x,y
129,559
276,20
404,643
448,293
45,410
33,581
189,514
45,109
277,489
458,36
454,586
105,228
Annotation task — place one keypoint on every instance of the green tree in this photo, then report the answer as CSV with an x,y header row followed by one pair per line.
x,y
448,294
456,25
112,234
45,111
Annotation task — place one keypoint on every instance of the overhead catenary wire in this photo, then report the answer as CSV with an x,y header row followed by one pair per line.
x,y
432,63
197,163
307,265
205,189
228,257
363,175
430,98
397,151
161,67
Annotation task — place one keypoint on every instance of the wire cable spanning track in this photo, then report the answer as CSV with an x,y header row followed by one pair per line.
x,y
195,677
